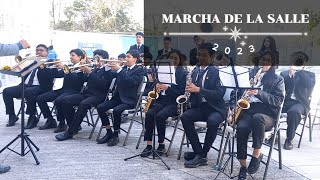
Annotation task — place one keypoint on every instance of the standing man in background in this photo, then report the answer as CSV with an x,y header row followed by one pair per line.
x,y
52,54
139,47
10,50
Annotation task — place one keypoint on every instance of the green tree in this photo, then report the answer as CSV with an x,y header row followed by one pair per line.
x,y
98,16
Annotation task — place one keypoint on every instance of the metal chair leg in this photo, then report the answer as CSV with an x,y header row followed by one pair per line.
x,y
279,149
129,129
94,127
182,142
173,135
301,135
310,127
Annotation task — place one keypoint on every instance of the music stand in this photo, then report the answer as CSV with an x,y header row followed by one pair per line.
x,y
21,70
231,77
155,75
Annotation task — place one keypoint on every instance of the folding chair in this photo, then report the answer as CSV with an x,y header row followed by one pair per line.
x,y
110,90
132,112
304,118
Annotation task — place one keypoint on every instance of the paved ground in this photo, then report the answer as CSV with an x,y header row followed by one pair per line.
x,y
82,158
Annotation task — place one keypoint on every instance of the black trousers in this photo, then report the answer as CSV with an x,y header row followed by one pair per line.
x,y
294,111
57,96
203,113
30,93
84,102
118,107
158,113
252,120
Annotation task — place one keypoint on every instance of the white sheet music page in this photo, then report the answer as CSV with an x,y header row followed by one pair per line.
x,y
227,77
166,72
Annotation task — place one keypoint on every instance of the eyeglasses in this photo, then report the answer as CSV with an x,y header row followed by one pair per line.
x,y
40,50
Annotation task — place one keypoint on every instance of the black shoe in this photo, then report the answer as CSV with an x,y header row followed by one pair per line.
x,y
50,123
32,122
269,141
4,168
113,141
242,174
161,149
198,160
189,155
254,164
105,139
288,145
12,120
146,152
61,128
64,136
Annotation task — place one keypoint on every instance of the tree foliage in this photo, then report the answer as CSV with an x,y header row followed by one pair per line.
x,y
96,16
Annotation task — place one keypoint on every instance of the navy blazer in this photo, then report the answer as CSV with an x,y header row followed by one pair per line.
x,y
212,91
45,78
271,96
143,49
128,84
98,82
72,82
176,89
304,82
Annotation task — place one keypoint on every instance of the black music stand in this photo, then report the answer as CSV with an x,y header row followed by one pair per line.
x,y
155,76
231,131
23,135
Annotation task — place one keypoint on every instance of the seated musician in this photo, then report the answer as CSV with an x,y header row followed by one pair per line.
x,y
98,82
72,84
147,66
165,106
262,114
207,105
299,85
125,96
37,82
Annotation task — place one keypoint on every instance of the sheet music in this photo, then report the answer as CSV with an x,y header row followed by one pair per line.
x,y
166,72
227,77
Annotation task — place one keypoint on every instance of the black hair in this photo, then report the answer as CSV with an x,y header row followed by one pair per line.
x,y
195,37
134,54
270,75
184,57
42,45
147,55
122,56
273,46
78,52
179,54
300,58
140,33
104,54
167,38
208,47
50,47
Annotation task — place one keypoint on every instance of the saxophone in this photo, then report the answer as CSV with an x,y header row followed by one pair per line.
x,y
244,101
183,100
151,96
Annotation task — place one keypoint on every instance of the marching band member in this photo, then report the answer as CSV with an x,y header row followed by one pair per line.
x,y
148,66
139,47
207,105
125,97
72,84
37,82
166,46
299,85
261,116
165,105
98,82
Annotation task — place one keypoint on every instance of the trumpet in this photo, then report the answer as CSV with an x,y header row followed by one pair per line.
x,y
72,69
19,58
244,101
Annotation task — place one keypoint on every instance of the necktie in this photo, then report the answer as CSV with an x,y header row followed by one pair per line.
x,y
165,51
33,73
127,69
200,77
138,47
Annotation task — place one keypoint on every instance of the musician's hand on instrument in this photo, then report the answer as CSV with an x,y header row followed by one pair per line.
x,y
86,69
163,87
59,65
192,88
114,66
252,92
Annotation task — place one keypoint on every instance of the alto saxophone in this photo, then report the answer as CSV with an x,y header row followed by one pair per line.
x,y
244,101
151,96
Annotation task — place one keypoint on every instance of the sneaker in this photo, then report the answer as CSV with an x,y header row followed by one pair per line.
x,y
198,160
242,173
254,164
146,152
161,149
288,145
113,141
